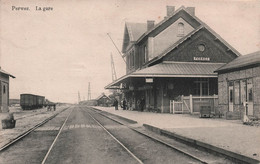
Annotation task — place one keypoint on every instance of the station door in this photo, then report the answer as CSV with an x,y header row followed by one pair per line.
x,y
4,95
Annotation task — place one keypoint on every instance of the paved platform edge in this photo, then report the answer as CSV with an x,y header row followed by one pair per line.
x,y
5,144
123,118
204,145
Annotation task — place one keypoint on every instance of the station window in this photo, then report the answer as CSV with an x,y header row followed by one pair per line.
x,y
249,90
241,91
180,29
4,89
128,61
196,90
201,87
236,92
205,88
132,59
230,87
145,56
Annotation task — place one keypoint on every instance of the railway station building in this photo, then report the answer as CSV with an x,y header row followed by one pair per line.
x,y
238,84
172,60
4,90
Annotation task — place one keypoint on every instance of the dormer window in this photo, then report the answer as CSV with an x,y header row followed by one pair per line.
x,y
180,29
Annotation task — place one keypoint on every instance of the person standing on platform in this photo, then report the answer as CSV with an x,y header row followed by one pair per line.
x,y
139,105
116,104
124,104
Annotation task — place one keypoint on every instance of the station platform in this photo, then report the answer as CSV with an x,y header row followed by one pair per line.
x,y
217,134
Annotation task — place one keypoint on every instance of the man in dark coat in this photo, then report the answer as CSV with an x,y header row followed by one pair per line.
x,y
116,104
124,104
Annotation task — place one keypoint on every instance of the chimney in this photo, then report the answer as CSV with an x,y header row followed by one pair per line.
x,y
191,10
150,24
170,10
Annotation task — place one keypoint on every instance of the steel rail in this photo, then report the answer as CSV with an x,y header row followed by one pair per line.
x,y
30,130
156,139
132,154
56,138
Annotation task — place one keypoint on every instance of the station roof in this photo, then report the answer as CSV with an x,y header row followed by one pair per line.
x,y
173,69
133,31
180,69
244,61
136,30
6,73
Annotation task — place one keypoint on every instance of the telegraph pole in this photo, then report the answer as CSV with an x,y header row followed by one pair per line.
x,y
113,69
78,97
89,92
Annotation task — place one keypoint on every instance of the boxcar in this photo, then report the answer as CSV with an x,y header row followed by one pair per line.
x,y
40,101
30,101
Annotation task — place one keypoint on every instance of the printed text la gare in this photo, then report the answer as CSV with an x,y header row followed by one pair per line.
x,y
39,8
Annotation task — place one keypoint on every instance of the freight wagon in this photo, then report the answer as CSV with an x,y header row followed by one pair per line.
x,y
30,101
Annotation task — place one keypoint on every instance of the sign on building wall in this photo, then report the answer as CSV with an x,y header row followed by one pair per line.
x,y
149,80
201,58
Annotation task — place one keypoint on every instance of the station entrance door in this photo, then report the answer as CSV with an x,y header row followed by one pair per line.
x,y
4,94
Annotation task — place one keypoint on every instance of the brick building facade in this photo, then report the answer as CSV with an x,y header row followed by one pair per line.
x,y
239,82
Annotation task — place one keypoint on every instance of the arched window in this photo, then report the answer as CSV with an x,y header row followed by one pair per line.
x,y
180,29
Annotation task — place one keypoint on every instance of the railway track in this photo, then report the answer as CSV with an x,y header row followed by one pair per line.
x,y
120,143
116,138
114,128
56,138
160,141
175,148
223,159
63,128
20,137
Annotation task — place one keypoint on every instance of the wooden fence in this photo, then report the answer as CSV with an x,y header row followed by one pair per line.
x,y
192,104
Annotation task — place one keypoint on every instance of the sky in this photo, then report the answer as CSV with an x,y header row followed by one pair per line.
x,y
57,53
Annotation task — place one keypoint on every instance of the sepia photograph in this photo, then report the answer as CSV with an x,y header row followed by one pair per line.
x,y
129,81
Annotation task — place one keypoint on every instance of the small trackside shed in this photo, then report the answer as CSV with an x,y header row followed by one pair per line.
x,y
103,100
4,90
239,82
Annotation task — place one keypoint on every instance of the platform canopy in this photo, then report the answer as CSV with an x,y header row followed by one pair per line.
x,y
172,69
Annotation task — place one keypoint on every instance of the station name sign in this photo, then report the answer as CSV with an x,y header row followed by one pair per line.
x,y
201,58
